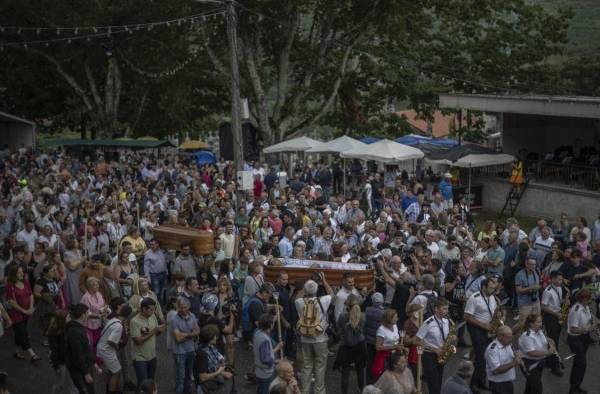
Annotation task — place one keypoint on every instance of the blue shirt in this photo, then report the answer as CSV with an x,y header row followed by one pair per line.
x,y
526,279
285,247
406,201
446,189
185,324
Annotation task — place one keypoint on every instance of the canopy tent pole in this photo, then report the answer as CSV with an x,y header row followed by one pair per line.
x,y
344,169
469,190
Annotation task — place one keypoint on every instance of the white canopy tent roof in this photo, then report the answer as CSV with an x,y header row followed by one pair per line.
x,y
477,160
385,151
300,144
339,145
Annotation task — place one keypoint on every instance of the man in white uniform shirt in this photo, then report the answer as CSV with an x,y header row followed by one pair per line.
x,y
579,325
479,311
553,297
432,335
501,362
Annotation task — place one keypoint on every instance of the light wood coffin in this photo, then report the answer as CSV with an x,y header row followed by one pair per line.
x,y
171,237
362,277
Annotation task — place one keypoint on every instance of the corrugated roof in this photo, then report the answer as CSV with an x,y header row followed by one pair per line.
x,y
118,143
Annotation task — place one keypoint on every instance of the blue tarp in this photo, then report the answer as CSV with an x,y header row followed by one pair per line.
x,y
415,140
204,157
369,140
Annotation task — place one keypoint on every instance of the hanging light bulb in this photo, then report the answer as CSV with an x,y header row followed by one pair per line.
x,y
58,32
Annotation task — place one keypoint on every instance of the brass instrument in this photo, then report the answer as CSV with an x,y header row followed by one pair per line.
x,y
564,310
497,321
448,348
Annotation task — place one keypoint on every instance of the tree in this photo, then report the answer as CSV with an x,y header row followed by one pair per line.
x,y
306,60
118,81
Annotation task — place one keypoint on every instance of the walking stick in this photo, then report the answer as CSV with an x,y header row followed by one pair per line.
x,y
138,216
276,297
419,354
85,236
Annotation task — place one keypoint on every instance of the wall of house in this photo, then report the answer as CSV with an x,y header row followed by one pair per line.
x,y
541,200
16,134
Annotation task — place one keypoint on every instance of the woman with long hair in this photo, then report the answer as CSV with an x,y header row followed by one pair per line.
x,y
387,340
124,272
226,311
20,300
48,296
397,379
352,350
56,341
74,266
262,234
212,377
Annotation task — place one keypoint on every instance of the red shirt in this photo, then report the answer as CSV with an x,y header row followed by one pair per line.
x,y
22,297
276,224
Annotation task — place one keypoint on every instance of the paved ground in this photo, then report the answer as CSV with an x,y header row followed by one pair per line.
x,y
26,379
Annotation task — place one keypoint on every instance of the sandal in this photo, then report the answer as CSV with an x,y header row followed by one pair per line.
x,y
19,356
35,358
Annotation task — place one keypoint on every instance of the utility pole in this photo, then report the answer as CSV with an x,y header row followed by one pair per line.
x,y
236,123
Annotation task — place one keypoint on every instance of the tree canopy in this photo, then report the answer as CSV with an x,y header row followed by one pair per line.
x,y
304,63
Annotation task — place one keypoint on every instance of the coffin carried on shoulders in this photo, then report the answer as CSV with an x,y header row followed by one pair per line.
x,y
171,237
364,276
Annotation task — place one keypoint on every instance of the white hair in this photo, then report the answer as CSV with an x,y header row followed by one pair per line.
x,y
370,389
310,288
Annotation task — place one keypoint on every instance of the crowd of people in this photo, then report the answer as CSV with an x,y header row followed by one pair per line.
x,y
79,258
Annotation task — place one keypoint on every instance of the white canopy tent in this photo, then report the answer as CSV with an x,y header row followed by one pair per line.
x,y
385,151
339,145
475,160
300,144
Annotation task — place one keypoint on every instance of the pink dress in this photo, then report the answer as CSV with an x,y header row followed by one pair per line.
x,y
95,302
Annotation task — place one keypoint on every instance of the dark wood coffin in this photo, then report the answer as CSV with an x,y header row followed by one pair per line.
x,y
171,237
362,278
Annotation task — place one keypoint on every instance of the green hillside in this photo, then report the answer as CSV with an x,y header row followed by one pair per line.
x,y
584,33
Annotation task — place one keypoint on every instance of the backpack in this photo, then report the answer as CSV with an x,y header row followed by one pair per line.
x,y
309,324
247,326
431,300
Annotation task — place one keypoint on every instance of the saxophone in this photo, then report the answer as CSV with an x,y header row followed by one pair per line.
x,y
497,321
448,348
564,310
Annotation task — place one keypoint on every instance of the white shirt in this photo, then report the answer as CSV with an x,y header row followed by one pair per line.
x,y
111,333
390,337
496,355
552,298
340,301
421,298
531,341
433,332
482,308
579,316
325,302
29,238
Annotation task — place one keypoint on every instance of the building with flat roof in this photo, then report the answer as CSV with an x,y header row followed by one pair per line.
x,y
558,139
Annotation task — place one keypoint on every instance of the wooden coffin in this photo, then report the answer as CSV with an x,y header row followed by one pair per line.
x,y
171,237
362,278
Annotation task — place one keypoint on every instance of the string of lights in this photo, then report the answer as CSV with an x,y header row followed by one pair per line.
x,y
77,33
158,75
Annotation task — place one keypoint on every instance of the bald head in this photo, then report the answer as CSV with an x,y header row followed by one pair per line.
x,y
504,335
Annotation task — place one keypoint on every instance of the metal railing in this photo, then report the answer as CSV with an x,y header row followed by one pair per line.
x,y
579,176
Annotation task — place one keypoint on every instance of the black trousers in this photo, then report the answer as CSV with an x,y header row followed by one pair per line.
x,y
533,383
502,387
370,359
79,381
433,371
579,345
480,342
21,335
360,377
553,328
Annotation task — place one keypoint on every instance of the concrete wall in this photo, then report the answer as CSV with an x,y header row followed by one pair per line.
x,y
541,200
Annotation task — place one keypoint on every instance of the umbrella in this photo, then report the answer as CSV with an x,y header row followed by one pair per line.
x,y
204,157
470,156
193,145
369,140
417,140
300,144
385,151
339,145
